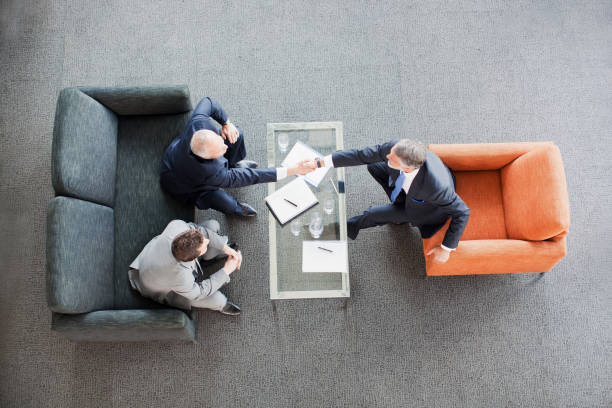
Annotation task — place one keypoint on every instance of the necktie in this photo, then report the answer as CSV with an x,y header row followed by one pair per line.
x,y
399,183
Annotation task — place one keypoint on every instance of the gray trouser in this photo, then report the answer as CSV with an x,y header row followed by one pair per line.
x,y
216,300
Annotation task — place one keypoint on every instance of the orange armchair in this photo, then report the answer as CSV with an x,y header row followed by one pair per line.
x,y
519,208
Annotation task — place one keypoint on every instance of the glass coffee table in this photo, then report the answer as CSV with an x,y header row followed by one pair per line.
x,y
287,281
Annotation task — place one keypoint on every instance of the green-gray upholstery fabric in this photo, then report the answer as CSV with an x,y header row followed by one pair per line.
x,y
126,325
142,100
84,149
80,248
111,159
142,208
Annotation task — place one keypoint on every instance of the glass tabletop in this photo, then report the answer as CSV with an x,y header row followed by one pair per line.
x,y
287,281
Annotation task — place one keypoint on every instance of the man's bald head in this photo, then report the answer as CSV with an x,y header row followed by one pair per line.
x,y
207,144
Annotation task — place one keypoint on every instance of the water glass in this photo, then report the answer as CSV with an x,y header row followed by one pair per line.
x,y
328,205
296,226
316,225
283,142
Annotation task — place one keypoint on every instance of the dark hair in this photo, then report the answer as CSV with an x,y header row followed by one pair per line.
x,y
411,153
186,246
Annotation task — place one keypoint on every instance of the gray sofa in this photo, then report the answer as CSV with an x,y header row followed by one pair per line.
x,y
106,155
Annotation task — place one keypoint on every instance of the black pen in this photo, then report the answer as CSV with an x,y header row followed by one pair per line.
x,y
290,202
325,249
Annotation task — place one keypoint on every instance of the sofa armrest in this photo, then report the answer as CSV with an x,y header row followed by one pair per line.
x,y
126,325
482,156
142,100
493,256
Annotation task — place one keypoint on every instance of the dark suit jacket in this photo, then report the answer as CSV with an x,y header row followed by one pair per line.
x,y
186,176
431,198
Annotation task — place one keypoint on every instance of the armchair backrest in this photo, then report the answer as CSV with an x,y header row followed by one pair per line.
x,y
534,190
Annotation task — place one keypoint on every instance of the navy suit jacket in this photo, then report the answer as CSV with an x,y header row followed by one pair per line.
x,y
185,175
431,198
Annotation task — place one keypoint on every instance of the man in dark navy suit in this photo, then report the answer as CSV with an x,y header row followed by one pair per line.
x,y
203,160
421,189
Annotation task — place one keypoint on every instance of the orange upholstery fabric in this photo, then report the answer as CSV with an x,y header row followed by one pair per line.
x,y
535,195
519,208
481,191
482,156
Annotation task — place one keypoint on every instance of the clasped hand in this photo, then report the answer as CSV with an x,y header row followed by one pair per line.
x,y
304,167
234,260
229,132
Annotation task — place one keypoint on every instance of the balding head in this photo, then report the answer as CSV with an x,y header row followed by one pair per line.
x,y
207,144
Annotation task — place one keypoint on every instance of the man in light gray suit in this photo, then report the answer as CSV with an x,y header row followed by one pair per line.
x,y
168,269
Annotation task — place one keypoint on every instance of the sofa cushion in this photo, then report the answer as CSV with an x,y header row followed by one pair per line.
x,y
142,208
84,148
79,256
536,204
481,191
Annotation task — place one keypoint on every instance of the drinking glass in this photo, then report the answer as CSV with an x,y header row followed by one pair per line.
x,y
283,142
296,226
316,225
328,205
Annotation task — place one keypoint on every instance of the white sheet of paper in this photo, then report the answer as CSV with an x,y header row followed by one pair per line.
x,y
315,259
298,193
301,151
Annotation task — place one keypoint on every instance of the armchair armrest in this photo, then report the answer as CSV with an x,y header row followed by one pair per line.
x,y
493,256
482,156
126,325
142,100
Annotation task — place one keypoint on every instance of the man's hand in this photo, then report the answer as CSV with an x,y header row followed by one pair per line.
x,y
229,132
440,255
304,167
232,263
229,251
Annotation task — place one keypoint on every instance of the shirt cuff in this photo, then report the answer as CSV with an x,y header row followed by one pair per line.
x,y
281,173
447,248
327,161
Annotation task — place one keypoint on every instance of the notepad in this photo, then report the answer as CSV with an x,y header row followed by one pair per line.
x,y
291,200
317,258
301,151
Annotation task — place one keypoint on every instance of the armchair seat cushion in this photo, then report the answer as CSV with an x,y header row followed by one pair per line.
x,y
481,191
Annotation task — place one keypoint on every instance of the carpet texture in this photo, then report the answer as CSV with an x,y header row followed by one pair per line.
x,y
439,71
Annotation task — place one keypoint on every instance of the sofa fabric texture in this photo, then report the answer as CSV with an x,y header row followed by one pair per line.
x,y
519,208
107,149
80,248
126,325
142,100
84,148
142,208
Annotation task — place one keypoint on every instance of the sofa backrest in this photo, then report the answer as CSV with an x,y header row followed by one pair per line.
x,y
84,149
534,190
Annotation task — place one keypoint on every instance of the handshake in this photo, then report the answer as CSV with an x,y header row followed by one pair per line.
x,y
304,167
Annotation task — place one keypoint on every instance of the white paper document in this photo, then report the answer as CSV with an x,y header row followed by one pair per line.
x,y
291,200
316,256
301,151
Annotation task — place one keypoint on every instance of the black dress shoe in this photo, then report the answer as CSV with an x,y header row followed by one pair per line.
x,y
247,210
246,164
232,245
230,309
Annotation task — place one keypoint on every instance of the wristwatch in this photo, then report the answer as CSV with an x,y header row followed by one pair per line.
x,y
318,160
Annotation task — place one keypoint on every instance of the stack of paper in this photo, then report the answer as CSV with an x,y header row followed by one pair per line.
x,y
325,256
291,200
300,152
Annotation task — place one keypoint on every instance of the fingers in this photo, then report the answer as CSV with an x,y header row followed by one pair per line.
x,y
429,252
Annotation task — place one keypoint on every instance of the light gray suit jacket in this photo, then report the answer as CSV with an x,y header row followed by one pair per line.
x,y
160,273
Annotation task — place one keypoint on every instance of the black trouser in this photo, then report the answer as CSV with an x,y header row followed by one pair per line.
x,y
379,214
219,199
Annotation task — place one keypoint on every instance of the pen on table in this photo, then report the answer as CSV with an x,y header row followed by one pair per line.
x,y
325,249
334,186
290,202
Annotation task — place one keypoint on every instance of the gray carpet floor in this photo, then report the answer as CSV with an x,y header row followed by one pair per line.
x,y
441,72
